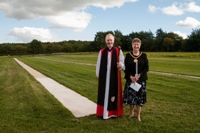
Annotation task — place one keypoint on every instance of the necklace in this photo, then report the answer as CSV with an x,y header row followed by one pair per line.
x,y
135,58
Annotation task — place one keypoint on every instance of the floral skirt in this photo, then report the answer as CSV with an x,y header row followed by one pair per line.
x,y
133,97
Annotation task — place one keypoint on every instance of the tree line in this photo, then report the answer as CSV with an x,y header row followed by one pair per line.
x,y
160,42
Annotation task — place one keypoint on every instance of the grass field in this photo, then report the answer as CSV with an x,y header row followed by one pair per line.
x,y
173,103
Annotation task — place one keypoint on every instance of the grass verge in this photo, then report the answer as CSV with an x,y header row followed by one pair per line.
x,y
25,106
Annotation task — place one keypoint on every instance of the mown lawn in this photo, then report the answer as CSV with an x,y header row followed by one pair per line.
x,y
174,62
25,105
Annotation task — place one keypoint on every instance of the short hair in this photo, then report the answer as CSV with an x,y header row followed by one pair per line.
x,y
136,40
109,34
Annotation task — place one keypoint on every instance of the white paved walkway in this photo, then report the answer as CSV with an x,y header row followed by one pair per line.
x,y
80,106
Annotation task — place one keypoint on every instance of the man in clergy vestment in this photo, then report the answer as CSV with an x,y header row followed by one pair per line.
x,y
109,63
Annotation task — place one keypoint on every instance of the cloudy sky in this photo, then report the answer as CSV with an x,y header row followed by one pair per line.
x,y
58,20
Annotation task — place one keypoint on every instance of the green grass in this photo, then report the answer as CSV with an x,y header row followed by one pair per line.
x,y
78,77
25,106
175,62
186,66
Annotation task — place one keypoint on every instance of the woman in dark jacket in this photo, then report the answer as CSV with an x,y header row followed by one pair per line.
x,y
136,68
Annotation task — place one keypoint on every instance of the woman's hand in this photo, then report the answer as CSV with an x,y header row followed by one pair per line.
x,y
135,78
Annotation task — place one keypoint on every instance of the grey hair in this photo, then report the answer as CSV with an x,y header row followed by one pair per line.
x,y
137,40
109,34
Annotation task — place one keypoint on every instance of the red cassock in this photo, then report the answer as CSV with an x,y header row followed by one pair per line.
x,y
109,83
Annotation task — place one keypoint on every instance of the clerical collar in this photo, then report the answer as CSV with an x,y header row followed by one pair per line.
x,y
110,49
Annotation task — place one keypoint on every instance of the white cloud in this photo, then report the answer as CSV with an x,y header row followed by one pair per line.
x,y
173,10
27,34
53,9
77,21
176,10
109,3
184,35
189,22
192,7
152,8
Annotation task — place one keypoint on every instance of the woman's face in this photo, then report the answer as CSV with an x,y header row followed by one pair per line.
x,y
109,41
136,46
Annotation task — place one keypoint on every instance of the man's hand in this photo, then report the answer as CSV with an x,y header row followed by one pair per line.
x,y
119,65
113,98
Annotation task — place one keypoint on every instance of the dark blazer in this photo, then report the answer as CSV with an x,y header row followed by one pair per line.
x,y
130,66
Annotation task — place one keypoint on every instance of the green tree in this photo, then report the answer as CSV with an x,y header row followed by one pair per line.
x,y
193,41
178,42
58,48
83,47
126,43
118,38
168,42
5,49
147,39
50,48
67,47
158,44
21,50
35,47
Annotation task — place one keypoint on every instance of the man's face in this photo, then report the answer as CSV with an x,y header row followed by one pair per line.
x,y
109,41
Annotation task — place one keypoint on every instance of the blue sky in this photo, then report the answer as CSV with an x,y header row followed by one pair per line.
x,y
53,20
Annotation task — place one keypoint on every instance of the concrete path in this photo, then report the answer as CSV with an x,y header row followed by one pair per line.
x,y
79,106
